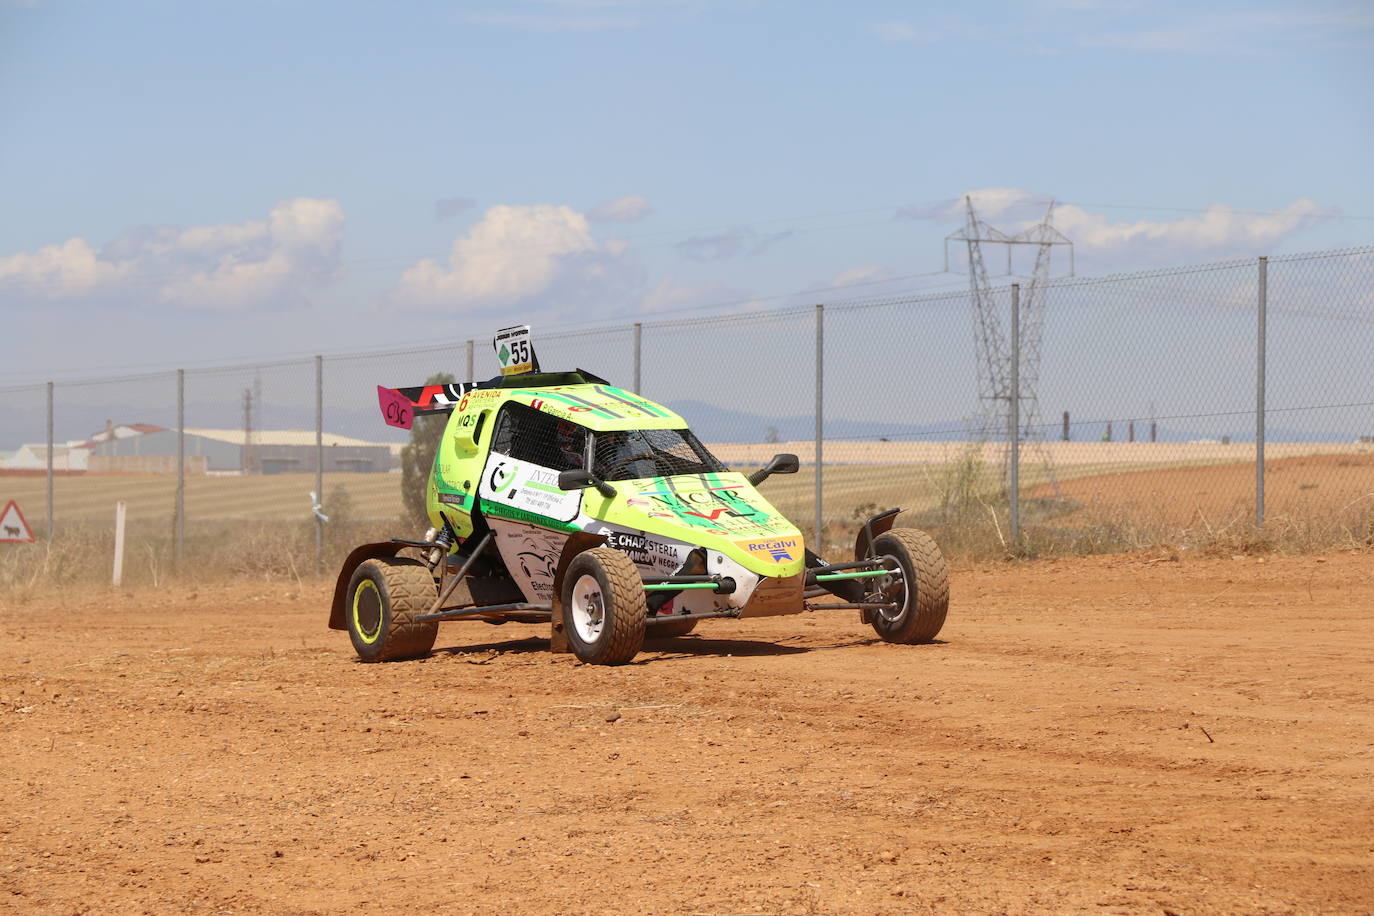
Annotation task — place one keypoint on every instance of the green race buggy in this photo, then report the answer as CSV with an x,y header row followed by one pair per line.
x,y
558,498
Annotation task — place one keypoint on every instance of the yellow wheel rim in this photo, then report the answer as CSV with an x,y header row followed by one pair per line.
x,y
367,611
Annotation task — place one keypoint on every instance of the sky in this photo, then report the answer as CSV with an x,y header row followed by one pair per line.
x,y
191,184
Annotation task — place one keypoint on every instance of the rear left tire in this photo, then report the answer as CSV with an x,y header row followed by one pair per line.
x,y
385,595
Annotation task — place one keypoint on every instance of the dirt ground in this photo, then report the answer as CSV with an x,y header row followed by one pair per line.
x,y
1330,488
1111,735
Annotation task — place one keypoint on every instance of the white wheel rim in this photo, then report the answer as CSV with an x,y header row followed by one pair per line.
x,y
895,615
588,608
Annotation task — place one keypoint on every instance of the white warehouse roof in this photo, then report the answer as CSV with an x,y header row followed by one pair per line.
x,y
279,437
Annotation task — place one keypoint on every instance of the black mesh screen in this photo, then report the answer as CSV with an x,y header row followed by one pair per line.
x,y
525,434
650,453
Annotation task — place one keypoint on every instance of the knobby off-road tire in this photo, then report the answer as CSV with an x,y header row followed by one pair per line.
x,y
604,609
675,628
385,596
923,591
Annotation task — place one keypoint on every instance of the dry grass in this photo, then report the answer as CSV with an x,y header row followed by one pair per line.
x,y
261,527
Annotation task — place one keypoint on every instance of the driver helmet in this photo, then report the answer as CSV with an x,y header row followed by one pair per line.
x,y
570,439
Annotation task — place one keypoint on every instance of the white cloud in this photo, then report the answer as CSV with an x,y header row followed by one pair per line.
x,y
589,15
527,21
862,275
895,31
628,209
993,202
515,253
670,296
1216,230
59,271
232,265
987,201
733,243
1205,31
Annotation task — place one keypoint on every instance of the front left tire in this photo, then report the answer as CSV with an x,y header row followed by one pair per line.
x,y
604,609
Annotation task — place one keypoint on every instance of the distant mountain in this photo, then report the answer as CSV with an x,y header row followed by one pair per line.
x,y
721,424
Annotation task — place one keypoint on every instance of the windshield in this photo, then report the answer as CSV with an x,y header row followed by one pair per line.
x,y
639,453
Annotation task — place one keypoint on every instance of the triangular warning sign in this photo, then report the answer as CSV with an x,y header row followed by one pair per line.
x,y
13,528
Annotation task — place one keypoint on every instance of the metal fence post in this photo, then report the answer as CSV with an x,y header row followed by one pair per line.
x,y
639,328
1014,416
50,520
820,418
1263,307
470,377
181,467
319,461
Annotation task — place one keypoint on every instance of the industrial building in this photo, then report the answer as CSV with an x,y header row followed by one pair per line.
x,y
140,447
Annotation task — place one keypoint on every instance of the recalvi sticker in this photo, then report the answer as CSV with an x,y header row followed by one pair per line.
x,y
774,550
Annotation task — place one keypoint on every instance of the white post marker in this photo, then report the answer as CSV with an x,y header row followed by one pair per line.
x,y
119,544
13,528
514,351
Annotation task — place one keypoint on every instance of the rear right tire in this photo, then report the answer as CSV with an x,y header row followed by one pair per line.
x,y
672,628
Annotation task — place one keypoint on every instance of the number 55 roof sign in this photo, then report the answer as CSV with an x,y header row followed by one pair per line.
x,y
514,350
13,528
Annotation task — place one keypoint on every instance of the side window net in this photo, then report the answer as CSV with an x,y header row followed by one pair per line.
x,y
525,434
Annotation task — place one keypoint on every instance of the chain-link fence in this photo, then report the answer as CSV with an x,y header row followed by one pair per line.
x,y
1227,404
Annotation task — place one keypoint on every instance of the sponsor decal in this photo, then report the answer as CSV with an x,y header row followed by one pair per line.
x,y
526,486
724,509
776,550
709,516
647,507
480,394
645,551
501,477
453,499
396,407
537,403
531,554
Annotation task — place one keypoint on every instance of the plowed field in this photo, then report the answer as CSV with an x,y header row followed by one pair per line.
x,y
1332,489
1114,735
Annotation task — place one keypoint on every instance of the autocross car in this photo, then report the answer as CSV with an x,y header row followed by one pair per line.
x,y
559,498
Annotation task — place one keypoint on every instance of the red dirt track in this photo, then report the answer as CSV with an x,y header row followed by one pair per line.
x,y
1111,735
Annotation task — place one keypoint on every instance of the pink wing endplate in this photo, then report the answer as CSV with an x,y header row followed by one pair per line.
x,y
397,409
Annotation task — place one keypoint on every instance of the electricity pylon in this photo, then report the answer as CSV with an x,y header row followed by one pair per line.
x,y
991,339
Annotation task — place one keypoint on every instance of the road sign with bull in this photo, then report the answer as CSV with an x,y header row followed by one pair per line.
x,y
13,528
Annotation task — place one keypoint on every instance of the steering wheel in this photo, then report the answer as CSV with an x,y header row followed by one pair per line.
x,y
616,467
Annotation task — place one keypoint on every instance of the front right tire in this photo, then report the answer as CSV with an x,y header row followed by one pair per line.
x,y
922,593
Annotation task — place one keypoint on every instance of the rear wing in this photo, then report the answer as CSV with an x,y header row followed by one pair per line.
x,y
401,405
